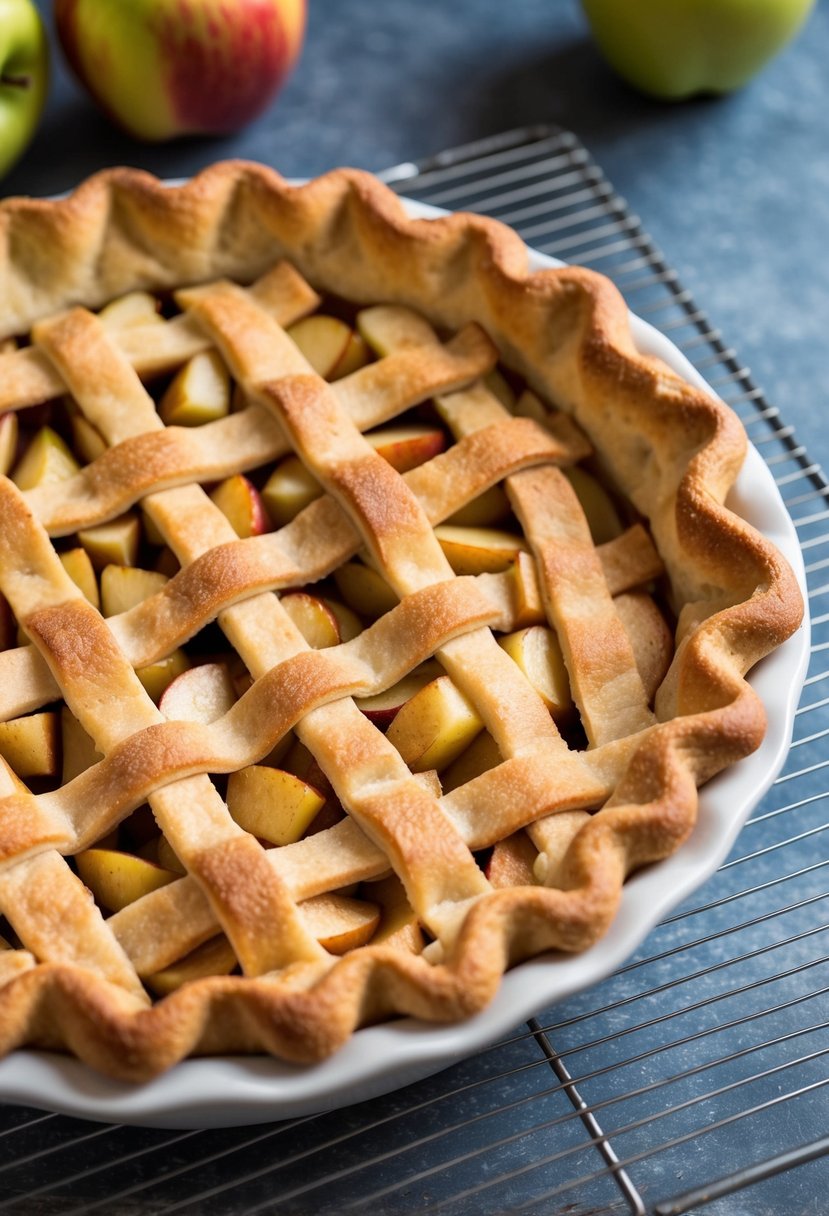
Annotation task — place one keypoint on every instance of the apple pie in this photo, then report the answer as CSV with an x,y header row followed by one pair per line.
x,y
370,612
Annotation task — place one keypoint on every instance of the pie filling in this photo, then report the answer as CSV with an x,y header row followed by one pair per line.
x,y
333,665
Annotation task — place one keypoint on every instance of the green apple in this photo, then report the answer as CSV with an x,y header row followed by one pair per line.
x,y
24,77
678,48
162,68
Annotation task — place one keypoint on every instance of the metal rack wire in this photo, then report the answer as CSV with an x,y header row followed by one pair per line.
x,y
698,1069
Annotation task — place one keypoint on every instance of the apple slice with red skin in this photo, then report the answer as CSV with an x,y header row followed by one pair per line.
x,y
157,677
239,500
348,623
383,707
406,447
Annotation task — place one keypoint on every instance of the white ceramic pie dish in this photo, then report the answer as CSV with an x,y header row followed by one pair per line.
x,y
235,1091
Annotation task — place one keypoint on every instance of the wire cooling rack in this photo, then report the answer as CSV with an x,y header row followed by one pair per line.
x,y
698,1070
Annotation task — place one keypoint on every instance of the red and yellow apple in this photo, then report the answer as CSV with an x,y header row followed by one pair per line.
x,y
162,68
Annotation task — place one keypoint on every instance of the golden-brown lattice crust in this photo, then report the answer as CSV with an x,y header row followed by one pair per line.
x,y
672,450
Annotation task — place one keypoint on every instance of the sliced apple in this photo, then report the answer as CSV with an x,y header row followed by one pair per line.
x,y
272,804
117,879
348,623
364,590
31,745
406,447
391,327
87,440
600,512
288,490
47,459
355,355
240,501
198,393
79,750
113,544
77,564
200,694
157,677
314,620
511,863
528,606
322,339
481,755
383,707
215,957
478,550
135,308
122,587
491,507
340,923
537,652
8,441
434,726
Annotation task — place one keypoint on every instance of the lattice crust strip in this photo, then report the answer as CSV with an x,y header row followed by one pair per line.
x,y
535,802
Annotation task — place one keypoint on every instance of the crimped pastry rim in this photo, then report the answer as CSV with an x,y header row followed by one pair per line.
x,y
367,189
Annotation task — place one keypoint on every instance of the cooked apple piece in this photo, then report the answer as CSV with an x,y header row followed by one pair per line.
x,y
113,544
382,708
117,879
338,922
530,406
500,387
288,490
537,652
215,957
135,308
47,459
435,726
553,836
481,755
166,857
355,356
313,619
491,507
200,694
388,328
152,533
8,442
31,745
322,340
511,863
526,590
364,590
79,750
122,587
78,566
86,439
348,623
399,925
157,677
198,393
272,804
405,447
602,516
239,500
478,550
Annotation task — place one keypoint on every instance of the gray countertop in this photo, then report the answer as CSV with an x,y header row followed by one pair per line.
x,y
734,190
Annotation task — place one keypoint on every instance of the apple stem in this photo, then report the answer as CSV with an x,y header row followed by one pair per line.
x,y
19,82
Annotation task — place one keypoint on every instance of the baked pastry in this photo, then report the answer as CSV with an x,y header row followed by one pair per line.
x,y
274,857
